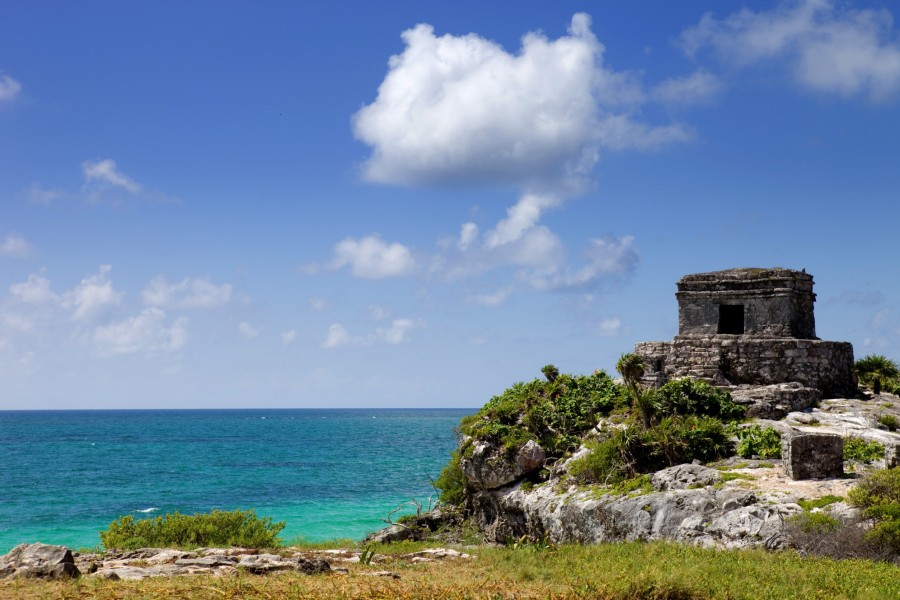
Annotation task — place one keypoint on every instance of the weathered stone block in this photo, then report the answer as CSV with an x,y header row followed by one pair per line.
x,y
39,561
813,455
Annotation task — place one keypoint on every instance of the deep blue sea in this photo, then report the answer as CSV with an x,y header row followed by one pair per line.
x,y
65,475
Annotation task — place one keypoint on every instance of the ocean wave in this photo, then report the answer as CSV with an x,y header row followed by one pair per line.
x,y
147,510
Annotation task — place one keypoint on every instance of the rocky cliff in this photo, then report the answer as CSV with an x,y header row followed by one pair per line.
x,y
516,491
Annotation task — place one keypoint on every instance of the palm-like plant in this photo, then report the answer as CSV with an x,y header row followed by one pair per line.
x,y
874,369
631,367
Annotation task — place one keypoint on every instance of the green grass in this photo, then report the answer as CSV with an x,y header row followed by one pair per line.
x,y
822,502
608,571
890,422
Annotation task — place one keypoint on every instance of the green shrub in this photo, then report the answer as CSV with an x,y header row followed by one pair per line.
x,y
816,523
451,483
174,530
552,412
890,422
635,450
877,489
682,439
606,463
856,448
764,442
694,397
878,495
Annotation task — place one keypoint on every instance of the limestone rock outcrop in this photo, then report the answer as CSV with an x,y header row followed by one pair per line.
x,y
727,517
39,561
490,466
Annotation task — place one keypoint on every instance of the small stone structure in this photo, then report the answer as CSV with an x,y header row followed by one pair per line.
x,y
813,456
753,331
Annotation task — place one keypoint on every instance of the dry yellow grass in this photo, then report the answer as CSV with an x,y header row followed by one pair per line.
x,y
614,571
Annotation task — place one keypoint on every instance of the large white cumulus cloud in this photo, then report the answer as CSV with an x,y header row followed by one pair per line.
x,y
463,109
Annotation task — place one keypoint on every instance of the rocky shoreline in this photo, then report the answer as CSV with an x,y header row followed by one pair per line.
x,y
43,561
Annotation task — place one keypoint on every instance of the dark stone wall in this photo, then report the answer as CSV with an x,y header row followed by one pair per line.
x,y
736,360
777,302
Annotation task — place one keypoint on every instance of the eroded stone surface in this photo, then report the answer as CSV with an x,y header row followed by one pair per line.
x,y
39,561
729,517
490,467
33,561
681,477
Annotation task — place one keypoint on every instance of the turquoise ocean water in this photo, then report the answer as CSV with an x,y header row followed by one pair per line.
x,y
65,475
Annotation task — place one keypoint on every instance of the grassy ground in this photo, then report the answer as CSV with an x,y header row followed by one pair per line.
x,y
613,571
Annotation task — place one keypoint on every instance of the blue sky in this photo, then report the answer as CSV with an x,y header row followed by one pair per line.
x,y
346,204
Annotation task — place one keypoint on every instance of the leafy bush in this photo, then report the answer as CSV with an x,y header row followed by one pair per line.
x,y
607,461
764,442
816,523
856,448
553,413
672,441
451,483
694,397
217,528
890,422
878,495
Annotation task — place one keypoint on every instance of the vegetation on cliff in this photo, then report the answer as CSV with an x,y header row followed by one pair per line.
x,y
682,421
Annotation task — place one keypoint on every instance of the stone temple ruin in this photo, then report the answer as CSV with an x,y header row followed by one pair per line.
x,y
753,332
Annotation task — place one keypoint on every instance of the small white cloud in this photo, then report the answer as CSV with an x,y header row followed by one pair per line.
x,y
609,327
373,258
247,330
102,176
317,304
15,245
187,293
37,194
521,217
287,337
337,336
699,87
468,233
493,299
16,322
92,296
9,88
396,333
828,47
379,313
607,258
35,290
146,332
